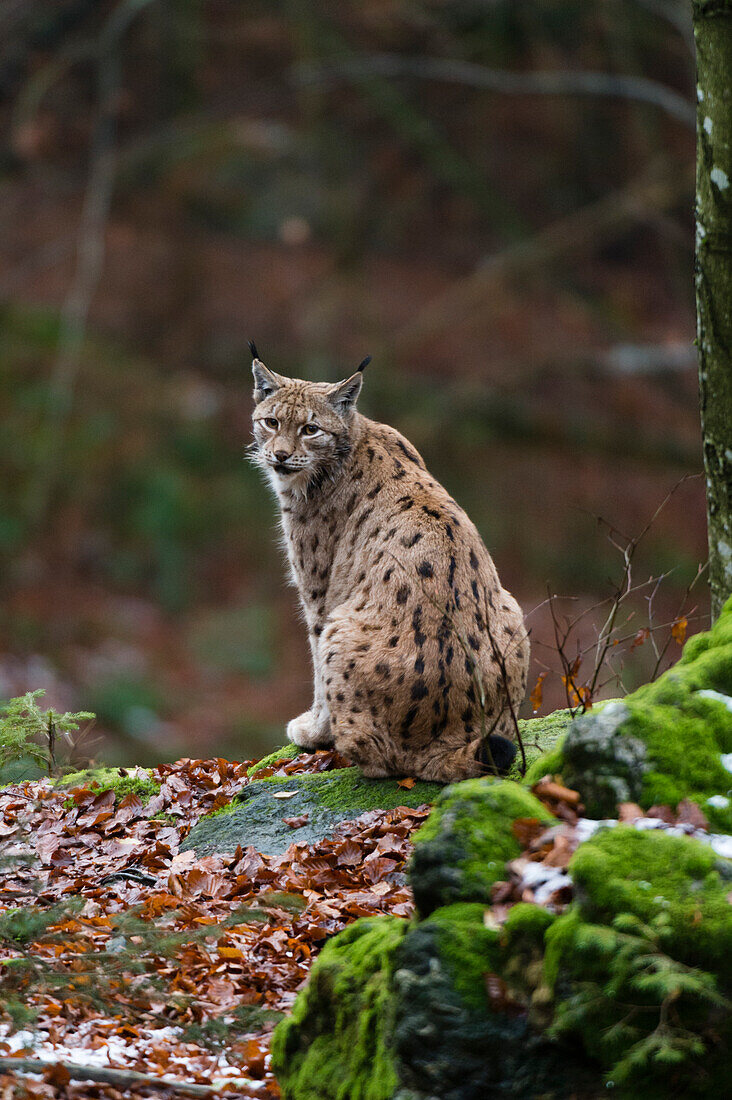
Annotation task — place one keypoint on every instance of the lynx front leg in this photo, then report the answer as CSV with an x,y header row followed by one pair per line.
x,y
312,730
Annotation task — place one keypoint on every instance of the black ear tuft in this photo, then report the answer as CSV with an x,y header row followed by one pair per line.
x,y
253,349
362,366
498,754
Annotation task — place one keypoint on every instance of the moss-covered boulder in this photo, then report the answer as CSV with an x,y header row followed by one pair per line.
x,y
629,989
401,1011
122,781
641,965
337,1045
669,740
258,815
462,848
462,1027
540,737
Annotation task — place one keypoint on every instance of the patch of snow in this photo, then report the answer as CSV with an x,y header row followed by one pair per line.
x,y
720,177
726,759
718,801
708,125
720,842
542,879
720,697
119,1053
586,827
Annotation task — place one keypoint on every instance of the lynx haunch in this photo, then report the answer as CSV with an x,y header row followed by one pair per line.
x,y
415,644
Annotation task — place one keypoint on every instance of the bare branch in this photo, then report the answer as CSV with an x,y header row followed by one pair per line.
x,y
659,187
552,83
89,257
123,1078
677,15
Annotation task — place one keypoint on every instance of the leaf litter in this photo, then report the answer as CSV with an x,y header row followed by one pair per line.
x,y
245,926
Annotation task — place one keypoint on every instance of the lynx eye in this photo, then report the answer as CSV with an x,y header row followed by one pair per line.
x,y
271,422
310,429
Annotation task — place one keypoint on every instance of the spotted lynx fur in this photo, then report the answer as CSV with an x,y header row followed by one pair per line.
x,y
406,617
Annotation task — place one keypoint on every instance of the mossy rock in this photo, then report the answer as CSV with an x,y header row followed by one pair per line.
x,y
256,816
667,741
397,1011
642,962
651,874
137,781
550,761
462,848
540,736
454,1041
336,1045
279,756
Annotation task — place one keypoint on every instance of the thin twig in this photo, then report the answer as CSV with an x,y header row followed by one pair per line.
x,y
700,572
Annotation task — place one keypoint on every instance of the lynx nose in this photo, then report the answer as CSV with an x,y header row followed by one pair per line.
x,y
282,456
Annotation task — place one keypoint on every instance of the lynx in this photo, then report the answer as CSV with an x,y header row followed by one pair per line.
x,y
419,655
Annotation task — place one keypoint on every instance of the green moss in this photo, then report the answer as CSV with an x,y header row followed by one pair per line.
x,y
287,752
111,779
467,949
685,743
343,789
642,962
526,923
549,763
664,742
455,1041
336,1043
649,873
544,757
325,800
462,848
540,737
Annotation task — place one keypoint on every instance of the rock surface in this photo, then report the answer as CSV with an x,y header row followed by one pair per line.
x,y
630,988
462,848
258,815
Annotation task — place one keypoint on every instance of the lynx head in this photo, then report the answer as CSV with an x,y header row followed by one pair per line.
x,y
302,430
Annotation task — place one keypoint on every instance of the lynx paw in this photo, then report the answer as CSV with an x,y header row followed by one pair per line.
x,y
310,731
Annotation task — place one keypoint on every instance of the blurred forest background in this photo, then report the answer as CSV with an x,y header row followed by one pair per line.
x,y
492,197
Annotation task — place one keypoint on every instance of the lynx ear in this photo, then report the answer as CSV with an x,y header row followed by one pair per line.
x,y
344,395
266,382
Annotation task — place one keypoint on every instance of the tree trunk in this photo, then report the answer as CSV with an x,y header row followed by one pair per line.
x,y
713,34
